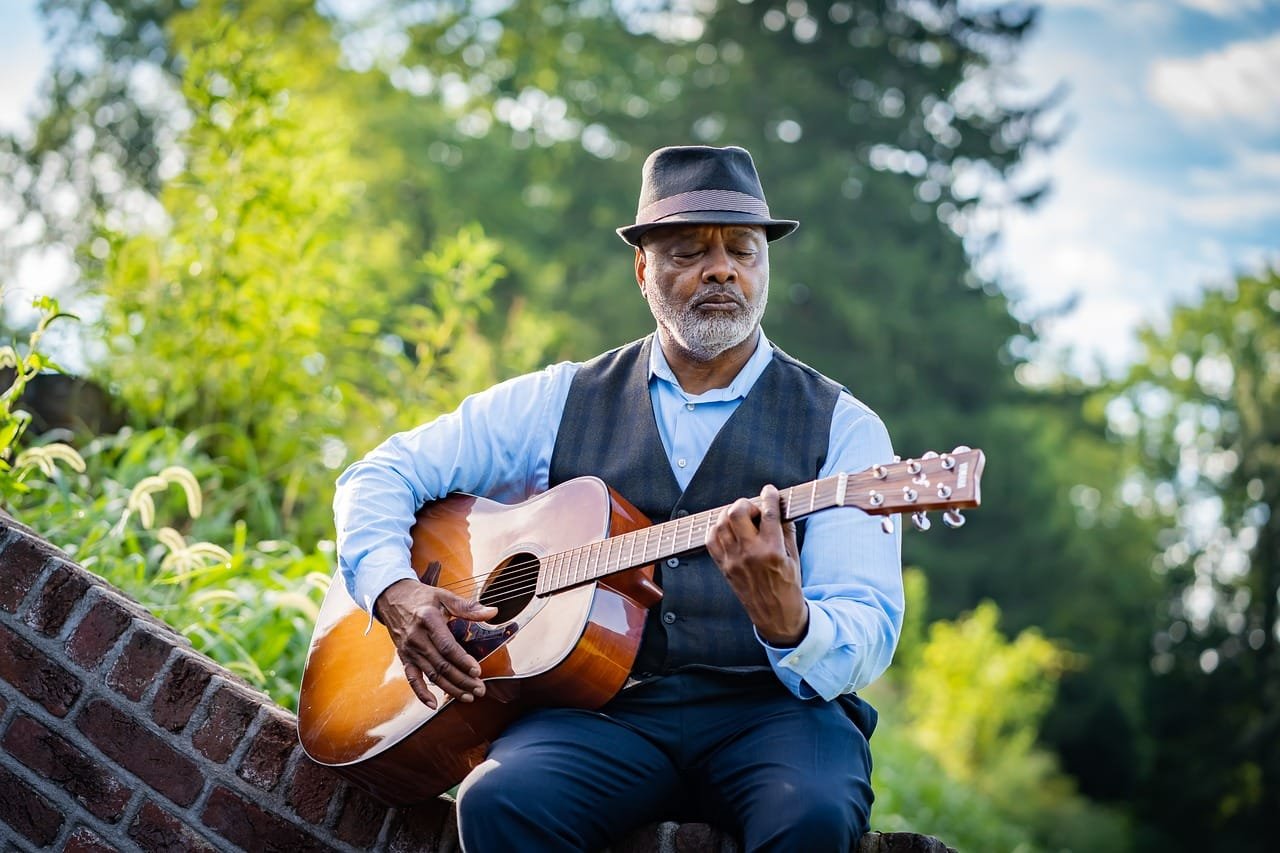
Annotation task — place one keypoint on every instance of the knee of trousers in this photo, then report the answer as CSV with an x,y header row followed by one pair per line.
x,y
814,817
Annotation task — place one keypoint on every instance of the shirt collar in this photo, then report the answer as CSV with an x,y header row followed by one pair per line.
x,y
741,384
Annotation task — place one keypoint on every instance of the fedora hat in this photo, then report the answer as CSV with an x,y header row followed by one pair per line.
x,y
699,185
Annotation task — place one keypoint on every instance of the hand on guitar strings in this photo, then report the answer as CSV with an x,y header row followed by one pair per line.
x,y
758,556
416,615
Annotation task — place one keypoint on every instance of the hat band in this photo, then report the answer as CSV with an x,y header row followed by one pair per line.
x,y
724,200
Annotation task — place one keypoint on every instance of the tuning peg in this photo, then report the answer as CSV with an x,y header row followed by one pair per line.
x,y
953,519
886,524
962,448
921,521
929,454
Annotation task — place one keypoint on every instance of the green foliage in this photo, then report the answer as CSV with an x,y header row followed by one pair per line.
x,y
1201,416
269,306
977,699
964,763
136,515
25,364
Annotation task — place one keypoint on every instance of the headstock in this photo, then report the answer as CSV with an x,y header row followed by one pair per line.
x,y
946,481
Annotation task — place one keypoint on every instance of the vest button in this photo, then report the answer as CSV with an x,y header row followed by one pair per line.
x,y
673,562
669,618
681,513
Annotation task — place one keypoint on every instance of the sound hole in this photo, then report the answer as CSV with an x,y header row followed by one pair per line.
x,y
511,586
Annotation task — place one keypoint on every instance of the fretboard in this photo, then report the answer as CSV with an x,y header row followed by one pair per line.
x,y
670,538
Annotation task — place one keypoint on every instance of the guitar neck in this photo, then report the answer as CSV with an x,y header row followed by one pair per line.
x,y
668,539
947,481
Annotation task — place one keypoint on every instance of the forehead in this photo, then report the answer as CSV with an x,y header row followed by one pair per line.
x,y
675,233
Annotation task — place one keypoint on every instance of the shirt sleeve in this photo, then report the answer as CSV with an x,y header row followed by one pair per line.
x,y
497,444
851,571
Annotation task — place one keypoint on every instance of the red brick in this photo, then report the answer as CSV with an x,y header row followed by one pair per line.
x,y
87,841
67,766
230,713
142,753
98,631
311,790
247,825
28,669
157,831
63,588
361,818
423,827
264,763
138,664
27,811
181,691
21,562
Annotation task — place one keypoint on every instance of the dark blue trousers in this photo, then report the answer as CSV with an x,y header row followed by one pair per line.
x,y
738,751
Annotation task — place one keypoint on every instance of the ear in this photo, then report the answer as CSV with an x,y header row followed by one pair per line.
x,y
640,265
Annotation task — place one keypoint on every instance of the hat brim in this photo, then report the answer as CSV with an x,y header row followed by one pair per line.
x,y
774,229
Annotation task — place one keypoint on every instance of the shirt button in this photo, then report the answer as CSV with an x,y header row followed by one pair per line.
x,y
673,562
689,406
669,618
682,462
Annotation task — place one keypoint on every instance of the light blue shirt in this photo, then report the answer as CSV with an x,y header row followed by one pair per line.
x,y
498,444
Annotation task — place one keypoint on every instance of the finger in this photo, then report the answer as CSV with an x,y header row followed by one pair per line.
x,y
741,519
770,513
465,608
418,683
453,666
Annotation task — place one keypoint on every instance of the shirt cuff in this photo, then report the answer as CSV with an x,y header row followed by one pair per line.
x,y
379,570
793,666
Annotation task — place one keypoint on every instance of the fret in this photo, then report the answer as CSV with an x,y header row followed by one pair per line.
x,y
557,566
663,548
813,493
631,549
613,553
578,556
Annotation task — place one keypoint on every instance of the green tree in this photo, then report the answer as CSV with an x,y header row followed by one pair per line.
x,y
269,308
1201,413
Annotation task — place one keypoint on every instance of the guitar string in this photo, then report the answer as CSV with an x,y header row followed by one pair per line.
x,y
530,569
518,579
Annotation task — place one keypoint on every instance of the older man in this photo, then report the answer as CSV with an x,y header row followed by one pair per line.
x,y
740,709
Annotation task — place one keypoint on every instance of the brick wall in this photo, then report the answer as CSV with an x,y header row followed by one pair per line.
x,y
116,735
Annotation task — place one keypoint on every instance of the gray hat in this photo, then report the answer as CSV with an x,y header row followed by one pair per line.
x,y
702,186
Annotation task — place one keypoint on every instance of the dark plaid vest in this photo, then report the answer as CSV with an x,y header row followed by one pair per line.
x,y
778,434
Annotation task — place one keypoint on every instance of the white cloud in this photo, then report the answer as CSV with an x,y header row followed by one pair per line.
x,y
1245,191
1240,81
1224,8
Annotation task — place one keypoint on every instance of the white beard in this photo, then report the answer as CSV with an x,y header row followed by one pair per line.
x,y
706,335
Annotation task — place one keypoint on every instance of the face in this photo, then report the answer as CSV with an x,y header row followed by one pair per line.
x,y
707,285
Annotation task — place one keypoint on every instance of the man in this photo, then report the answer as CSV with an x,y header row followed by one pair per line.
x,y
740,709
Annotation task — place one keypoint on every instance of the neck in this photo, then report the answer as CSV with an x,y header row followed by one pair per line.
x,y
697,376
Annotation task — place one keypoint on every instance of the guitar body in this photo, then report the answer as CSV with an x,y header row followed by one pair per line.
x,y
357,713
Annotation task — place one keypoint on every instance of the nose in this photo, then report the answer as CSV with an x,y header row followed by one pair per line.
x,y
719,264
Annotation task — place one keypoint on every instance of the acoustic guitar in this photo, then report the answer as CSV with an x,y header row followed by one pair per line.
x,y
571,573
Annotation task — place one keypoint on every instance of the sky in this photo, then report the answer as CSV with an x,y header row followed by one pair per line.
x,y
1167,181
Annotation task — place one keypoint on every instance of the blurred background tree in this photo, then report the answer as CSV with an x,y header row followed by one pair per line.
x,y
1201,412
279,211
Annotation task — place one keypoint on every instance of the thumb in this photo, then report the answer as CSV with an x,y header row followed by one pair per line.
x,y
465,608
